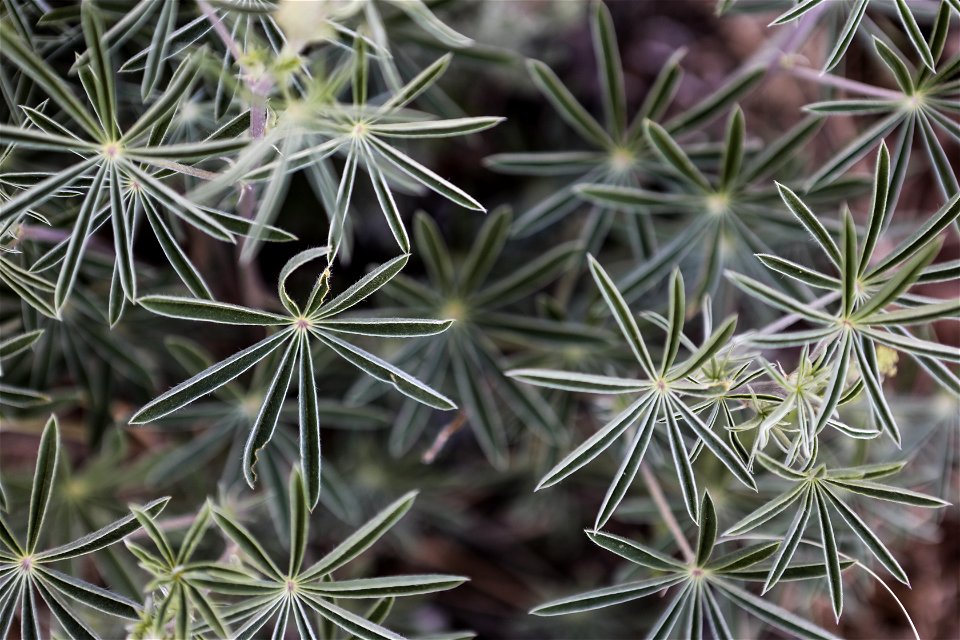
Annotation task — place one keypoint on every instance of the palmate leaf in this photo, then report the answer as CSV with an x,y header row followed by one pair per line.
x,y
623,153
721,210
314,589
469,360
127,169
369,137
815,491
27,576
866,294
701,583
914,111
666,390
316,321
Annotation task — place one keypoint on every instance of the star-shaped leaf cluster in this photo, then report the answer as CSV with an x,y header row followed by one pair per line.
x,y
297,331
27,574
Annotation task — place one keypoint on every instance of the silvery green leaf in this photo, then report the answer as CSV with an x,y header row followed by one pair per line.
x,y
920,238
167,101
810,223
675,157
791,539
916,36
362,539
854,151
424,18
78,239
890,493
433,251
708,530
159,42
75,627
289,267
350,622
262,430
744,558
583,382
363,288
89,594
209,379
795,12
22,202
387,203
540,163
597,443
714,104
252,549
660,95
899,281
479,406
393,586
635,552
607,54
424,176
567,106
663,628
846,35
103,537
606,596
767,512
42,140
772,614
630,464
715,444
777,299
209,311
43,478
913,345
529,278
866,535
382,370
19,53
621,313
435,128
309,414
10,347
943,170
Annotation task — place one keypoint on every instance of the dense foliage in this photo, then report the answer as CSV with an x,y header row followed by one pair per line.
x,y
732,341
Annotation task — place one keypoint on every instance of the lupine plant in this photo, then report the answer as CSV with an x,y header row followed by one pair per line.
x,y
712,361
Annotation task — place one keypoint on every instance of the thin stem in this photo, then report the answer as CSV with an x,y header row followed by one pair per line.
x,y
196,172
259,87
656,493
445,434
46,234
251,282
853,86
221,30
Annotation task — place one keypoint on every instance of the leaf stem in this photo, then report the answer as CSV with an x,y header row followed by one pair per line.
x,y
828,80
656,493
252,286
221,31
